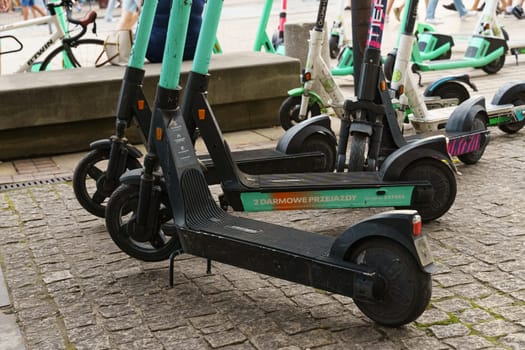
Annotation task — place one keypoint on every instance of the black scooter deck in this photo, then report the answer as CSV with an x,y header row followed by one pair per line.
x,y
278,251
267,161
318,181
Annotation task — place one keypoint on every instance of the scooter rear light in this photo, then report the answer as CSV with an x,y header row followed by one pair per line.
x,y
416,225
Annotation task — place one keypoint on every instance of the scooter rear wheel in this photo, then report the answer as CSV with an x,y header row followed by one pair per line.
x,y
443,182
451,89
407,289
333,45
321,143
289,112
513,128
478,124
92,168
122,207
494,66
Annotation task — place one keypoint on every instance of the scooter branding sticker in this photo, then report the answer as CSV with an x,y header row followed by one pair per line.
x,y
396,76
333,199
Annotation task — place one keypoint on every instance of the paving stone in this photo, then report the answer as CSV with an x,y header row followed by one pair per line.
x,y
449,331
451,305
224,338
433,316
497,328
494,301
423,343
313,338
515,341
474,316
468,342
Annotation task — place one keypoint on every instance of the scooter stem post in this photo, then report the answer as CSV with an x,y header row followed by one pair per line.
x,y
142,35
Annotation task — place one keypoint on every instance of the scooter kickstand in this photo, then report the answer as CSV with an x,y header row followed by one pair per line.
x,y
172,262
208,266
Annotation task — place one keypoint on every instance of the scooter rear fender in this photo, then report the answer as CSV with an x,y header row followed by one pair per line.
x,y
463,115
434,147
463,79
132,177
507,91
293,138
395,225
106,144
314,96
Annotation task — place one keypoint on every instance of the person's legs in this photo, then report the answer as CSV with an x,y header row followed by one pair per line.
x,y
474,6
431,9
129,15
460,7
38,9
26,4
109,10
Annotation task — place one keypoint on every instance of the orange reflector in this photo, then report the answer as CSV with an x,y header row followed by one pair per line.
x,y
158,134
307,76
382,85
401,90
140,105
416,225
202,114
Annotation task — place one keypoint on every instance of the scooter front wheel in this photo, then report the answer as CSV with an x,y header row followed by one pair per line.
x,y
121,211
89,180
357,158
407,289
443,184
289,112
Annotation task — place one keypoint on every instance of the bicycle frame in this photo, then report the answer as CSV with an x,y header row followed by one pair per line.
x,y
57,20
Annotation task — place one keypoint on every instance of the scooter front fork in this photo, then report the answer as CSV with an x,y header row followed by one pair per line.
x,y
146,218
344,135
118,156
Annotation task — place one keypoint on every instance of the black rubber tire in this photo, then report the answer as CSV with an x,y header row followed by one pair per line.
x,y
408,288
321,143
494,66
79,58
356,161
289,111
333,45
478,123
517,100
123,202
451,90
86,169
443,182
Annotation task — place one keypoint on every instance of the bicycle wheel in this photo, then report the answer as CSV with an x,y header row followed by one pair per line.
x,y
84,53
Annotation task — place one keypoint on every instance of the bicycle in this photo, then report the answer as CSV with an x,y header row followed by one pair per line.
x,y
73,52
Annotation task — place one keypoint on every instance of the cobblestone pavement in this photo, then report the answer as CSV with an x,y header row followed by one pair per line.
x,y
70,287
